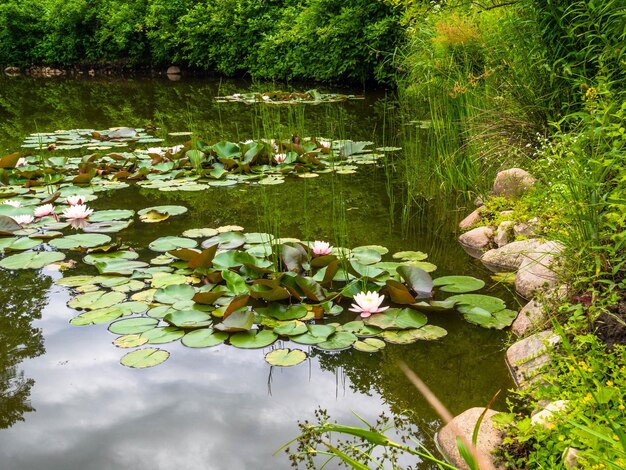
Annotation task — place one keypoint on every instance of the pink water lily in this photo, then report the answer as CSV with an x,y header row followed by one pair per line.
x,y
75,200
13,203
23,219
367,303
21,162
320,248
42,211
280,157
79,211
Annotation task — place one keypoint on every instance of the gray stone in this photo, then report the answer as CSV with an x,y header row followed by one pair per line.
x,y
570,458
537,270
531,317
471,219
509,257
524,230
504,234
549,414
173,70
476,241
526,357
489,438
512,182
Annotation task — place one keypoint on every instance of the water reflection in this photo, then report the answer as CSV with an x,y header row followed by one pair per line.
x,y
23,298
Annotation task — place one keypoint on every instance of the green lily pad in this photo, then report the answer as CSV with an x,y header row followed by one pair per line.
x,y
163,335
316,334
200,233
427,332
130,341
109,215
359,328
291,328
164,244
108,314
122,267
458,284
253,339
31,260
241,320
96,300
130,326
188,319
285,357
485,302
283,312
397,319
204,338
369,345
174,293
80,241
338,340
159,213
94,258
18,243
146,357
410,255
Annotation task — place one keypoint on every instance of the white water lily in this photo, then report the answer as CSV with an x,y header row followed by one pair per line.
x,y
157,150
175,149
21,162
321,248
367,303
75,200
13,203
280,157
325,144
79,211
23,219
42,211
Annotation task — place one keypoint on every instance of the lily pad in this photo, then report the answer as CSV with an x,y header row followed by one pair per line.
x,y
204,338
163,335
253,339
133,325
291,328
31,260
338,340
397,319
427,332
109,215
96,300
369,345
316,334
285,357
80,241
164,244
458,284
159,213
188,319
174,293
130,341
146,357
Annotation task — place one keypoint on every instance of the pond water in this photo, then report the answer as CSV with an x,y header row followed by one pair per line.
x,y
67,403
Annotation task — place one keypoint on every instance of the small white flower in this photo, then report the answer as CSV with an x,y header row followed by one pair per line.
x,y
280,157
321,248
42,211
156,150
21,162
13,203
75,200
175,149
79,211
23,219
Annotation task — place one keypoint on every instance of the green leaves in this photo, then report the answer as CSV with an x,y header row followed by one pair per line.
x,y
146,357
285,357
31,260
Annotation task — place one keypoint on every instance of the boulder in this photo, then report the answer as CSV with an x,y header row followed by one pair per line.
x,y
476,241
489,438
512,182
531,317
471,219
12,71
173,70
509,257
524,229
504,233
570,458
537,270
546,417
526,357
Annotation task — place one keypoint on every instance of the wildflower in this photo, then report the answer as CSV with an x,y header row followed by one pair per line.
x,y
75,200
23,219
321,248
368,303
280,157
622,407
610,383
21,162
325,144
79,211
175,149
42,211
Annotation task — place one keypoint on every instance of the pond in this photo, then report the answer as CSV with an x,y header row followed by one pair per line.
x,y
66,402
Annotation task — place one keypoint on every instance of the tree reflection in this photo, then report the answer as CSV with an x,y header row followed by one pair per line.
x,y
23,298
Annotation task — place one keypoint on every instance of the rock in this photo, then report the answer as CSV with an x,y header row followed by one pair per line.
x,y
489,438
479,201
173,70
546,416
12,71
476,241
570,458
531,317
471,219
524,230
509,257
537,269
526,357
512,182
504,234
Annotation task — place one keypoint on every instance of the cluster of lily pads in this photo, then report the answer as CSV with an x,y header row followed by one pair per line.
x,y
192,166
286,97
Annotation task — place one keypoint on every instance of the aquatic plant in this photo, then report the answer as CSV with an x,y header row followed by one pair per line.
x,y
367,303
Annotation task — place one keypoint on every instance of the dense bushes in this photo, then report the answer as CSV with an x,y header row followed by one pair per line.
x,y
311,39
